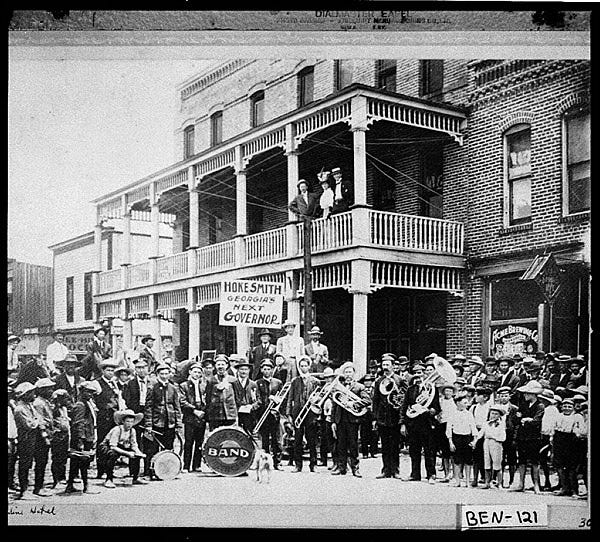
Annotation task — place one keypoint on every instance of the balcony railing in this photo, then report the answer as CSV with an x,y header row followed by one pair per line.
x,y
359,227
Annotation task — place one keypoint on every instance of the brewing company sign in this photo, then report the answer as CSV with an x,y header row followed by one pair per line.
x,y
251,303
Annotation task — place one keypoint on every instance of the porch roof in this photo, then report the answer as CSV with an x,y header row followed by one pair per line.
x,y
315,116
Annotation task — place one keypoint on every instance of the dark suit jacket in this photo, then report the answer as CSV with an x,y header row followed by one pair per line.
x,y
281,374
560,379
426,419
339,206
245,395
384,413
341,415
298,205
295,396
131,394
220,403
160,405
107,402
63,384
148,354
264,389
257,354
82,424
187,399
95,354
510,379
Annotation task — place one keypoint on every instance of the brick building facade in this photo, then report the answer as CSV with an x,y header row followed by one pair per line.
x,y
462,174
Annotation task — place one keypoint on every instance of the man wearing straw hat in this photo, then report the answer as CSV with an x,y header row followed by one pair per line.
x,y
292,348
69,379
529,437
316,351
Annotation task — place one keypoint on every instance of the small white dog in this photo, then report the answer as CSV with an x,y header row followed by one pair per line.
x,y
263,463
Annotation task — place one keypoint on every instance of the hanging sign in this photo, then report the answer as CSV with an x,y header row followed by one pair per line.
x,y
251,303
508,340
544,271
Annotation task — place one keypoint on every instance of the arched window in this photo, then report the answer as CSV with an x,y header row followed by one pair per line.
x,y
216,128
576,161
306,83
257,108
188,142
517,161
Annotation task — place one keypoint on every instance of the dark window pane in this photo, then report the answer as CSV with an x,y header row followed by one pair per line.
x,y
70,299
258,108
87,296
306,86
188,142
343,73
386,75
514,298
578,162
432,76
216,128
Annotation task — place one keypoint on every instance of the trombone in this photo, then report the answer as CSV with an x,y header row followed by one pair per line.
x,y
274,405
315,401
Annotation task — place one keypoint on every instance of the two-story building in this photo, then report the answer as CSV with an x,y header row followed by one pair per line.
x,y
404,269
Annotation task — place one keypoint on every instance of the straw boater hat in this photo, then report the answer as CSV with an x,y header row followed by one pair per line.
x,y
336,170
92,385
108,363
287,323
498,408
477,360
388,357
547,395
447,385
502,389
533,386
120,415
315,330
23,388
45,383
12,338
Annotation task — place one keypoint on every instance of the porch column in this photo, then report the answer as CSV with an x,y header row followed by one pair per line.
x,y
194,228
194,325
155,321
291,153
155,219
126,250
240,193
127,327
359,127
98,255
361,278
242,339
292,301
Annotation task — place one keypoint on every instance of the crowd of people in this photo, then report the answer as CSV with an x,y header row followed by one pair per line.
x,y
471,422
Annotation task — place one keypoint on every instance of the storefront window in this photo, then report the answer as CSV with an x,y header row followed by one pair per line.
x,y
514,299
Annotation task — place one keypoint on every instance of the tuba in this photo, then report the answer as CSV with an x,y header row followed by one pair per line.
x,y
347,399
389,389
444,371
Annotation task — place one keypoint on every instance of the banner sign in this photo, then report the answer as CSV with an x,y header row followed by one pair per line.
x,y
494,516
251,303
508,340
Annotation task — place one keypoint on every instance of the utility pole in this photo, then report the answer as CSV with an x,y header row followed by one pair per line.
x,y
308,316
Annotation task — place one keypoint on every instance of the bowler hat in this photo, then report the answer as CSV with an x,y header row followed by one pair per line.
x,y
491,360
372,363
533,386
45,383
23,388
120,415
146,338
242,362
96,331
265,332
265,362
108,363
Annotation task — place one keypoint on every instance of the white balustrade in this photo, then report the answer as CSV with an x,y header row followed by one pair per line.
x,y
138,275
172,267
416,232
265,246
212,257
109,281
328,233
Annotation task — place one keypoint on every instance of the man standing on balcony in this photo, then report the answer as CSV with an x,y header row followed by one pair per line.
x,y
97,351
291,347
264,350
342,192
305,204
147,353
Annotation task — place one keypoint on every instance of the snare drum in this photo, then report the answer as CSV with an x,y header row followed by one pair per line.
x,y
229,451
166,465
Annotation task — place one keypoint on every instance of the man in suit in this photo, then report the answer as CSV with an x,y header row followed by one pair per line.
x,y
508,377
221,408
69,379
476,372
194,422
388,418
267,387
342,192
162,412
83,435
420,430
266,349
345,424
134,395
280,372
33,370
148,353
98,350
301,389
317,352
305,204
107,402
292,348
246,395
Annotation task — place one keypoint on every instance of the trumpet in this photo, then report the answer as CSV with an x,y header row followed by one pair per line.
x,y
394,394
444,371
315,401
273,405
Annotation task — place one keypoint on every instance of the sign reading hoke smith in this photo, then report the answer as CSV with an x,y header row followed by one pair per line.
x,y
251,303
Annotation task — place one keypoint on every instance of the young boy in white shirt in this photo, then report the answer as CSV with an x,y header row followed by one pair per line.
x,y
461,433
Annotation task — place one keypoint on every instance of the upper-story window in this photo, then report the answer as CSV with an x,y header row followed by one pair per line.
x,y
216,128
188,142
306,84
576,191
70,299
257,108
432,182
87,297
386,75
517,144
431,77
343,73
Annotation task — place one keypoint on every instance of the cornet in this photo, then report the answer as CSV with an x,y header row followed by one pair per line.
x,y
443,370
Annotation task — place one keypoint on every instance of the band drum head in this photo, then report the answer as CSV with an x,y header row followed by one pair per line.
x,y
166,465
229,451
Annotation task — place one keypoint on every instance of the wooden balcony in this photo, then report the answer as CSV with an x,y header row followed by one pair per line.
x,y
419,238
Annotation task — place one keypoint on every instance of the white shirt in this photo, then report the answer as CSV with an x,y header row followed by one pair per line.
x,y
143,386
480,413
448,407
290,345
55,352
70,379
568,424
461,422
549,418
338,190
326,200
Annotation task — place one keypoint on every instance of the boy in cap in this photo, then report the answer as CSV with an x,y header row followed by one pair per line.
x,y
61,435
194,421
564,446
509,449
267,388
368,435
581,447
43,404
83,436
447,409
29,437
549,418
480,414
493,433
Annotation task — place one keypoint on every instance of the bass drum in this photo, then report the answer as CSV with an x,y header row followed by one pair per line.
x,y
166,465
229,451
